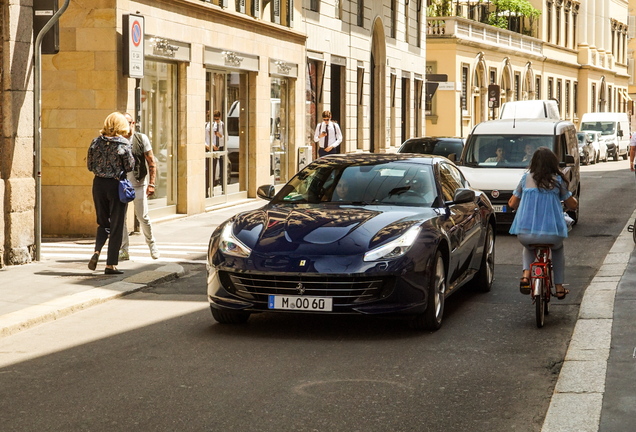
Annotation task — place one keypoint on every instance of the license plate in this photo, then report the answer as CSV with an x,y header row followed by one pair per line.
x,y
301,303
499,208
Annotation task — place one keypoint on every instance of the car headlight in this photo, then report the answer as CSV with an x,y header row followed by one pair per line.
x,y
230,245
395,248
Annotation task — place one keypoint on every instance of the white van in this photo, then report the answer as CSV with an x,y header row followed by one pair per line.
x,y
526,109
614,129
498,152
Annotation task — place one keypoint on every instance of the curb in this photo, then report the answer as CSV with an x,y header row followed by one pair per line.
x,y
577,400
52,310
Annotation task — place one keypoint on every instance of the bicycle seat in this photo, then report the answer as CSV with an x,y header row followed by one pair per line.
x,y
541,246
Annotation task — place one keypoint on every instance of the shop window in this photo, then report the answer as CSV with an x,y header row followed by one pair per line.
x,y
406,112
417,106
312,83
279,115
360,109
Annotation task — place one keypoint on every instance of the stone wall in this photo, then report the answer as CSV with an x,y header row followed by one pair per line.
x,y
17,185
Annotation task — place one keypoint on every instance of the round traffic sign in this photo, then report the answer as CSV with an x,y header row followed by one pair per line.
x,y
136,33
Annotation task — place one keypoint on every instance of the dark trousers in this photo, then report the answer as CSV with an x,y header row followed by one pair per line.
x,y
110,216
322,152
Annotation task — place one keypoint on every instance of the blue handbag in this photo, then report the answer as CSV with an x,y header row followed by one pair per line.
x,y
126,189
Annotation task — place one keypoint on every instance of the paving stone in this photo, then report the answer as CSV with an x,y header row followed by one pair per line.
x,y
582,377
592,334
597,304
573,412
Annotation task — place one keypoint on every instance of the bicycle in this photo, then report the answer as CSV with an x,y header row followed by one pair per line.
x,y
541,281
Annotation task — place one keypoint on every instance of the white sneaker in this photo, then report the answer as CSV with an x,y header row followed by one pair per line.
x,y
154,252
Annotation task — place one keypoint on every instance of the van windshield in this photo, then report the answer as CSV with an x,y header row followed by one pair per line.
x,y
504,151
604,127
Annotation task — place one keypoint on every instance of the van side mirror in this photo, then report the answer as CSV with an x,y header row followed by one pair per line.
x,y
266,192
620,133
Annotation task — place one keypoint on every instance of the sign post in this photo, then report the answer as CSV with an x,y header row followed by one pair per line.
x,y
134,56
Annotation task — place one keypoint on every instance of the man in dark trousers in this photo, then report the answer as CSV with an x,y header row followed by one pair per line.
x,y
328,135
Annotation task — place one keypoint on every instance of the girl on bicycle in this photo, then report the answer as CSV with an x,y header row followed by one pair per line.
x,y
539,218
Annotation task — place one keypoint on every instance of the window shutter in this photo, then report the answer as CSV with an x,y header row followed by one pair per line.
x,y
256,8
631,32
224,3
290,11
240,6
276,10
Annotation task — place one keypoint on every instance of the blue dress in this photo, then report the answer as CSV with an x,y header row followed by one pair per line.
x,y
540,211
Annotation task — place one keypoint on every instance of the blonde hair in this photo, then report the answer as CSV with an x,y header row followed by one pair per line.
x,y
115,124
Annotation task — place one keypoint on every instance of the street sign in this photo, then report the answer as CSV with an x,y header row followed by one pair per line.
x,y
431,87
446,85
437,77
133,27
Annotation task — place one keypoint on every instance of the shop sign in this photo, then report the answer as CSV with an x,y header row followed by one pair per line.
x,y
160,47
133,46
283,68
230,59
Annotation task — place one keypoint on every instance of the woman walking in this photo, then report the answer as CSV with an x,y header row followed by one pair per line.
x,y
109,155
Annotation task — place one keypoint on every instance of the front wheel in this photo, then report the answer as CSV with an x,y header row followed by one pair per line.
x,y
615,154
431,319
594,158
539,300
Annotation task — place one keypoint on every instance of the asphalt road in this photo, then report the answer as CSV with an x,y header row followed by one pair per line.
x,y
156,360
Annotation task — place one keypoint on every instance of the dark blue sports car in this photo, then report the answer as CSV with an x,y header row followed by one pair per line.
x,y
385,234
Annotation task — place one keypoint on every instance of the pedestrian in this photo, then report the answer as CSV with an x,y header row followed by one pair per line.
x,y
632,151
327,135
216,131
539,218
109,157
144,168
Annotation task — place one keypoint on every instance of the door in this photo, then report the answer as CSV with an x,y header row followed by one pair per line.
x,y
226,136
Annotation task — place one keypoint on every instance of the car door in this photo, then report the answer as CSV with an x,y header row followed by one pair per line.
x,y
460,221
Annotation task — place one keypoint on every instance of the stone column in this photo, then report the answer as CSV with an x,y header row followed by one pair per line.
x,y
599,25
591,22
17,188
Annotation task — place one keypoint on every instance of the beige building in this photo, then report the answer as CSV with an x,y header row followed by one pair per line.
x,y
268,67
17,185
574,51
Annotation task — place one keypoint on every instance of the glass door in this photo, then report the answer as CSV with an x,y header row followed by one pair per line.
x,y
226,136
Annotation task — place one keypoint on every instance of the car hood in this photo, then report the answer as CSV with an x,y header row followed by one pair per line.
x,y
320,229
503,179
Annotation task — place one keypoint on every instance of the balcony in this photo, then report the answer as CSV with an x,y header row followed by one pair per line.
x,y
461,28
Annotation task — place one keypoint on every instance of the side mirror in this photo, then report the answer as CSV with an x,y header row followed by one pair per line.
x,y
463,196
569,160
266,192
451,157
620,133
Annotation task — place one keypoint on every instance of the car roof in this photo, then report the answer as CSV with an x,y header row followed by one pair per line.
x,y
434,138
384,157
519,127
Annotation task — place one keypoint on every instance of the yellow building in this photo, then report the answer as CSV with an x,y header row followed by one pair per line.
x,y
572,51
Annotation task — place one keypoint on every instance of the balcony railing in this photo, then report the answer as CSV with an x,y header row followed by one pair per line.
x,y
467,29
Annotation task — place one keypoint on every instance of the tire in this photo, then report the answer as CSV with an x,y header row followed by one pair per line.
x,y
431,319
482,281
616,154
605,159
594,158
539,285
586,159
229,317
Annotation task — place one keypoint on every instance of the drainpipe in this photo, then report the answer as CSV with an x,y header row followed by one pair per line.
x,y
37,138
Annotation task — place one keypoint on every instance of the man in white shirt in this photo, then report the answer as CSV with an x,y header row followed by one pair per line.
x,y
142,152
632,150
328,135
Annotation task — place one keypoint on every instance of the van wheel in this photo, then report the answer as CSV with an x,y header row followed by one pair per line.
x,y
615,155
594,158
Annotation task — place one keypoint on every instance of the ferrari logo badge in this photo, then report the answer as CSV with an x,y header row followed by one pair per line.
x,y
301,289
302,263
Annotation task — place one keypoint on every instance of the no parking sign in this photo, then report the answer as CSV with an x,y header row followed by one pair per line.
x,y
133,27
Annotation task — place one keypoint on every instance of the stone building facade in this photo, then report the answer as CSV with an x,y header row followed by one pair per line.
x,y
17,185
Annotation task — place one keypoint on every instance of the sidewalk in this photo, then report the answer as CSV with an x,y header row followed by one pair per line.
x,y
596,389
61,283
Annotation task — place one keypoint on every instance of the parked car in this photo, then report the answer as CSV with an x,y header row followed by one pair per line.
x,y
547,109
516,140
449,147
614,128
355,234
601,149
587,152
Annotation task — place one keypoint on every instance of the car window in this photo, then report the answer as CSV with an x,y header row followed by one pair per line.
x,y
604,127
450,179
432,146
504,151
394,183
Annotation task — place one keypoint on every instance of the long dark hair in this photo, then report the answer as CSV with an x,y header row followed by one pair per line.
x,y
544,167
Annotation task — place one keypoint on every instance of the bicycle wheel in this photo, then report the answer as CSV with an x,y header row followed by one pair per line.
x,y
539,300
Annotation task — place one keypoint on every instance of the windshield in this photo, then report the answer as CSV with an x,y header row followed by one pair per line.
x,y
361,183
433,147
604,127
581,137
504,151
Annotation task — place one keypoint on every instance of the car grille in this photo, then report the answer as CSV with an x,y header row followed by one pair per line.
x,y
344,290
501,199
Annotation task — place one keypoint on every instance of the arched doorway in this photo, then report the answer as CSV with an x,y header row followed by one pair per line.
x,y
602,95
480,90
527,89
378,91
505,81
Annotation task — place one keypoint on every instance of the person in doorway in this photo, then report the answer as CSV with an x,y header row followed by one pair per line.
x,y
109,158
328,135
216,132
539,218
145,167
